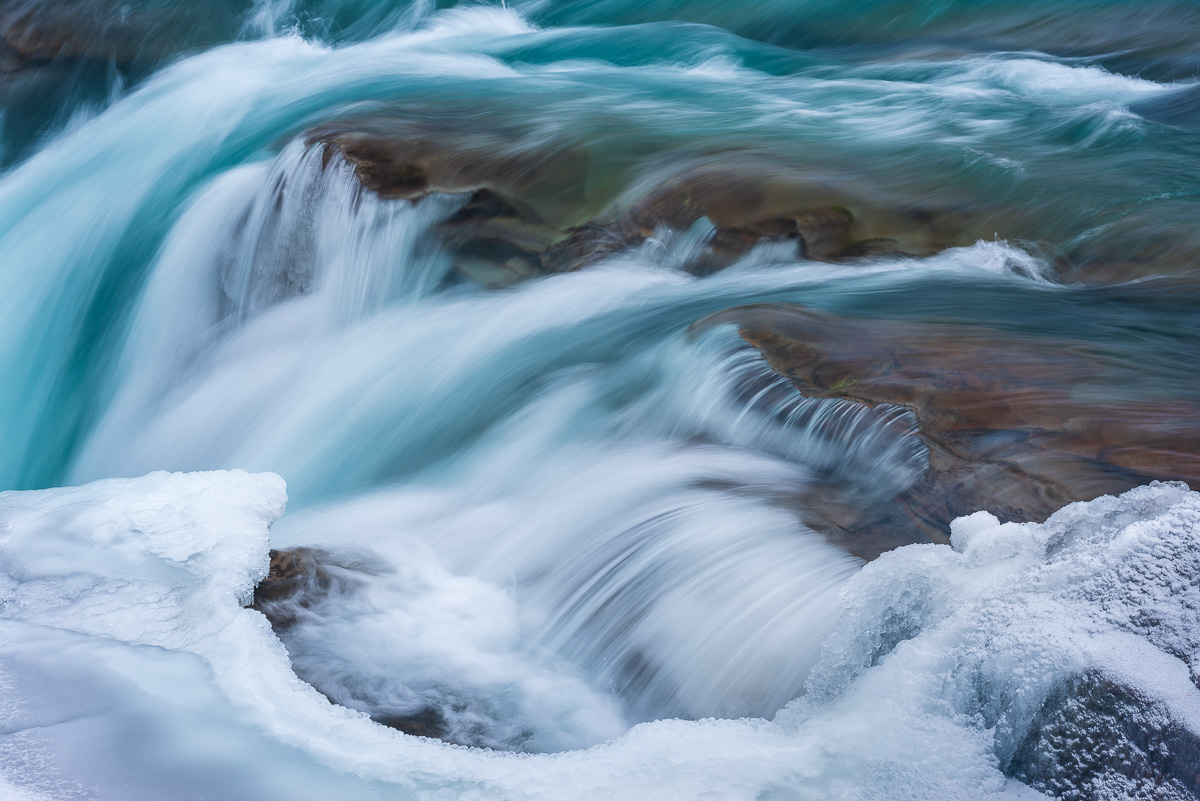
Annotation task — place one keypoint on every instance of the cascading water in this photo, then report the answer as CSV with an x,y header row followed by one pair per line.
x,y
578,513
642,454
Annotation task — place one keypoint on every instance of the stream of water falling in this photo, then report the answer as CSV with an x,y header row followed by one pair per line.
x,y
565,519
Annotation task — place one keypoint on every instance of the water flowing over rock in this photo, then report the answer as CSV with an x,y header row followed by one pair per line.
x,y
55,56
526,212
1014,424
302,578
676,399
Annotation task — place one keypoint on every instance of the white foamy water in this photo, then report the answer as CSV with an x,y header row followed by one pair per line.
x,y
566,518
123,625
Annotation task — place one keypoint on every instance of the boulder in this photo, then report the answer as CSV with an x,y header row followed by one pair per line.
x,y
299,579
1015,424
1094,731
533,207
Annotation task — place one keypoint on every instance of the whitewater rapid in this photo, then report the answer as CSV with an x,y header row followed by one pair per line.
x,y
568,515
124,629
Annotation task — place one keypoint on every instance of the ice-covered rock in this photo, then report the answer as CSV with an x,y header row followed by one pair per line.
x,y
1025,659
167,560
1070,647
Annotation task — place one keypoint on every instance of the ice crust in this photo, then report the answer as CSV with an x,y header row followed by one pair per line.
x,y
129,668
994,631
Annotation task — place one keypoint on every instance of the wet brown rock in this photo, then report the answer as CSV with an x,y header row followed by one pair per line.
x,y
824,232
396,156
379,173
873,248
749,204
820,234
751,200
584,245
499,234
537,207
1016,425
298,581
729,198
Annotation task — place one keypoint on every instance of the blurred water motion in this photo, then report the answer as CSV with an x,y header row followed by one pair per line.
x,y
600,344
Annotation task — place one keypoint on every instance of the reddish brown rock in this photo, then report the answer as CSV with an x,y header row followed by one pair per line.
x,y
399,157
1016,425
536,207
298,579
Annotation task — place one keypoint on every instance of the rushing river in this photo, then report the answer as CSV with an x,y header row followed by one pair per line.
x,y
568,517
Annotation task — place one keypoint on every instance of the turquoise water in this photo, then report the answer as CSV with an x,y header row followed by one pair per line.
x,y
580,518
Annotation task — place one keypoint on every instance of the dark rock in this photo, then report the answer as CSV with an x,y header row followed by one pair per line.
x,y
425,723
584,245
391,180
874,248
495,238
487,215
495,262
36,33
398,156
484,205
819,234
1095,737
824,231
299,579
727,197
495,242
56,55
728,245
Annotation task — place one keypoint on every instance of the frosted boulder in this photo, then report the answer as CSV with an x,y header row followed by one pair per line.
x,y
1070,647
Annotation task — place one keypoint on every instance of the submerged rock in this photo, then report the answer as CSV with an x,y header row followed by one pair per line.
x,y
1014,424
536,208
586,244
56,55
34,33
495,242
